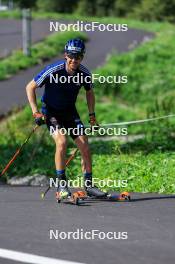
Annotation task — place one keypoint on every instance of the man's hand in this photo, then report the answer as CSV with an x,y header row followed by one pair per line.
x,y
39,118
92,120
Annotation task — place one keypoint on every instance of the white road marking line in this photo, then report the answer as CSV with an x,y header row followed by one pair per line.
x,y
30,258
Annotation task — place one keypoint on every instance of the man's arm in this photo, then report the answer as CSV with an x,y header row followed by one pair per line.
x,y
90,97
31,94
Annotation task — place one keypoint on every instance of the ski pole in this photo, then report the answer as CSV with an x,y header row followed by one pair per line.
x,y
18,151
43,194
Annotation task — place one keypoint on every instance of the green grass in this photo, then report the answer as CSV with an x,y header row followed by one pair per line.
x,y
144,172
149,70
13,14
50,47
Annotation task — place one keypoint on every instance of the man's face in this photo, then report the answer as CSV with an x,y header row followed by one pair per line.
x,y
73,61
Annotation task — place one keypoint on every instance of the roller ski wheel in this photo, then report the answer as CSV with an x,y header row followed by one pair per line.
x,y
75,198
124,196
78,196
61,196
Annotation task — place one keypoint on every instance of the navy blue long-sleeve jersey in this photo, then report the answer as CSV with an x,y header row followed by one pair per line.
x,y
62,94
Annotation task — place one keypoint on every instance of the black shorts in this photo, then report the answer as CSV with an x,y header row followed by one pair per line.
x,y
64,120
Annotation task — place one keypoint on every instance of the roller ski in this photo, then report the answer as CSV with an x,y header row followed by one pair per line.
x,y
121,197
76,197
94,192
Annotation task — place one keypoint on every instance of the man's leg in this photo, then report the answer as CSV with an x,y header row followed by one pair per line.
x,y
60,152
82,144
60,155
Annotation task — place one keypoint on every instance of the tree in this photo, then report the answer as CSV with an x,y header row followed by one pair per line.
x,y
86,7
104,8
61,6
25,3
123,8
156,10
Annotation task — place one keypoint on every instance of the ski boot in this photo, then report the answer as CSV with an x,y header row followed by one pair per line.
x,y
92,190
63,191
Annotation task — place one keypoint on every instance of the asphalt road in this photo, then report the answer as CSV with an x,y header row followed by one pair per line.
x,y
12,91
26,220
11,34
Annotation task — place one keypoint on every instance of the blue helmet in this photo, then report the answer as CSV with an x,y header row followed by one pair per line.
x,y
75,46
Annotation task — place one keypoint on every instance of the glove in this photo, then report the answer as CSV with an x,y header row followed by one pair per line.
x,y
92,120
39,118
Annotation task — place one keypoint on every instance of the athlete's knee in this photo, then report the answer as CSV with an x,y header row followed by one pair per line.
x,y
85,147
61,144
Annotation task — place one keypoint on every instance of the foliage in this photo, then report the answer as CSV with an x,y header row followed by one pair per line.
x,y
155,10
25,3
146,10
57,5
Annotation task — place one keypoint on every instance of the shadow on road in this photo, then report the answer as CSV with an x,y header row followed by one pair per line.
x,y
152,198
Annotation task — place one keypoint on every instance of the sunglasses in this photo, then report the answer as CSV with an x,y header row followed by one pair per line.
x,y
75,56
